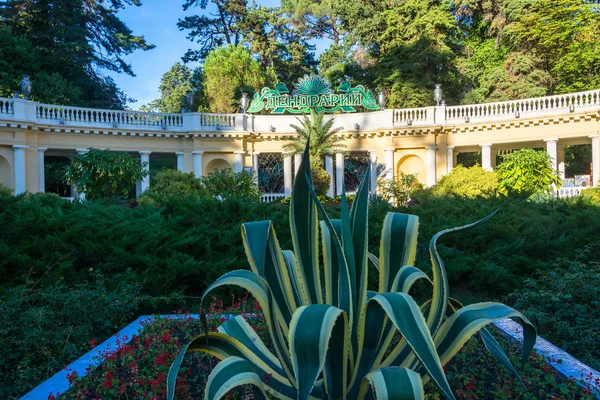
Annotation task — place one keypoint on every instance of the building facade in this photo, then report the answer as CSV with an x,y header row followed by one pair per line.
x,y
423,141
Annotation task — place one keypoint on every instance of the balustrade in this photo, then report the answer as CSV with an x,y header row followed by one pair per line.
x,y
88,115
566,192
221,120
534,107
505,110
410,116
6,106
268,197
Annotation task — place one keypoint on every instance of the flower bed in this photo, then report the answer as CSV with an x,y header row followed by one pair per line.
x,y
138,366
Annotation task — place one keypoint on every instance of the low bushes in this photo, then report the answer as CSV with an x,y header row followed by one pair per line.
x,y
220,184
564,304
44,328
181,247
469,183
170,182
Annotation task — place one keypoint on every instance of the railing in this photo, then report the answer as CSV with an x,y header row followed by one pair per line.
x,y
410,116
566,192
220,120
269,197
565,104
6,106
77,114
534,107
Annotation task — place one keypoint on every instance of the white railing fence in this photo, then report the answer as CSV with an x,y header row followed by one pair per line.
x,y
566,192
534,107
413,116
269,197
218,120
6,106
86,115
564,104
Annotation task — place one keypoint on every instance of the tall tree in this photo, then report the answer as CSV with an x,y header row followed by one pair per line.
x,y
213,30
174,86
265,31
229,71
76,40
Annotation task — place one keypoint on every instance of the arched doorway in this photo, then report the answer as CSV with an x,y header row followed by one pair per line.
x,y
412,164
215,164
6,175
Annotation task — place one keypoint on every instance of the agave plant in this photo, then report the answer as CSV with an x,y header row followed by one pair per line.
x,y
333,338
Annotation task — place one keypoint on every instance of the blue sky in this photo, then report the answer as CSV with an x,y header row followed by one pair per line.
x,y
157,21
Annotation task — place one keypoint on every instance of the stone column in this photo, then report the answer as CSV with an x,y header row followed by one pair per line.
x,y
197,163
145,158
561,161
287,174
179,155
297,162
239,161
41,170
75,193
486,156
389,164
449,159
431,165
552,150
20,172
339,173
255,167
373,180
329,170
255,163
595,159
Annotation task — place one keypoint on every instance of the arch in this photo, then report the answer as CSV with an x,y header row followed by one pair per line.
x,y
6,176
412,164
215,164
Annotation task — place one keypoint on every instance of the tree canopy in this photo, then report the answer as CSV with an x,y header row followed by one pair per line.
x,y
479,50
66,45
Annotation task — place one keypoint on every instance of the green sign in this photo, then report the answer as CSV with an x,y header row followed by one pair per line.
x,y
313,92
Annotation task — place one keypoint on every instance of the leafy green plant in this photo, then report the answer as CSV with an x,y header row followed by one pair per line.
x,y
469,182
44,328
340,336
322,139
104,173
527,171
320,178
398,191
170,182
226,184
564,303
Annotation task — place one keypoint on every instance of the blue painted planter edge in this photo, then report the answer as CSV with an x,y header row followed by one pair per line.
x,y
59,383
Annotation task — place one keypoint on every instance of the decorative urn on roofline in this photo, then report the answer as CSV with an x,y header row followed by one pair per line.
x,y
438,93
25,86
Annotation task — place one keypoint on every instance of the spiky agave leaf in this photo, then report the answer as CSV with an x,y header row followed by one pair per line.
x,y
338,333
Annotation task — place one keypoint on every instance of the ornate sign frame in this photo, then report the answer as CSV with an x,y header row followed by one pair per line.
x,y
313,92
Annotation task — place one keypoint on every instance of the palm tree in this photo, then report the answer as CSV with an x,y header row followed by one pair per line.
x,y
323,141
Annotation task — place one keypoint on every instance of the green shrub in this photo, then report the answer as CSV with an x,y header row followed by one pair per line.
x,y
43,329
226,184
469,182
527,171
320,178
104,174
591,196
398,191
564,303
170,182
334,329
